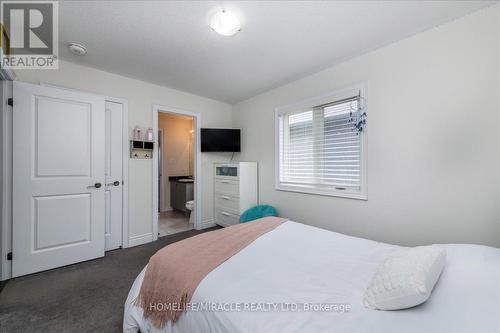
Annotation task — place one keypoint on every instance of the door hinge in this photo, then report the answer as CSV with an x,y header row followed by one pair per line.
x,y
10,101
9,256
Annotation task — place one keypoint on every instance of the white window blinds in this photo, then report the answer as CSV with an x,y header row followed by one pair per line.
x,y
321,148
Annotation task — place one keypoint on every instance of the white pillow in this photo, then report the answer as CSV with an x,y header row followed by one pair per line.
x,y
405,278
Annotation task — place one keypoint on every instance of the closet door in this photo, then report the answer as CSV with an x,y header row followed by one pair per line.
x,y
114,176
58,177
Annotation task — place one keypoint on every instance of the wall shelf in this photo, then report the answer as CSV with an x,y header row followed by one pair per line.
x,y
140,149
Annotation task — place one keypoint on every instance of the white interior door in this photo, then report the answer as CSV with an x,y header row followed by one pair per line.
x,y
58,177
114,175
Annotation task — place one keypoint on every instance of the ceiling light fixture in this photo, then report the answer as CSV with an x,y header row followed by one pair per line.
x,y
225,23
77,49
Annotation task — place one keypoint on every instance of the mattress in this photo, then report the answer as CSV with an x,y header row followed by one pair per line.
x,y
299,278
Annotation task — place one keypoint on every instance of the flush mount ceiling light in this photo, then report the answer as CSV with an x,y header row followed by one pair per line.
x,y
225,23
77,49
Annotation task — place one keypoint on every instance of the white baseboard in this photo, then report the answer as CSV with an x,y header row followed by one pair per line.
x,y
140,239
167,209
206,224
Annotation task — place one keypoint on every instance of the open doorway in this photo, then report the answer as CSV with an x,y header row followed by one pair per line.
x,y
176,173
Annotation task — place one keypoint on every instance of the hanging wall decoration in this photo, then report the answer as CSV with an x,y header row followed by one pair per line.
x,y
357,115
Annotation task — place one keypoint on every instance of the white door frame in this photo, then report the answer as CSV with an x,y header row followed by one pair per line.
x,y
160,168
6,197
197,165
7,75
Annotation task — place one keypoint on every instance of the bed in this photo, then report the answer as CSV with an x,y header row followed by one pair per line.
x,y
297,267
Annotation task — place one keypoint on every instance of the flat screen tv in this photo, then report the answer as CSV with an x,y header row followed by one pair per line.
x,y
220,140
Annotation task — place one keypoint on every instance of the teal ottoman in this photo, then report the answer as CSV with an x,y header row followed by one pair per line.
x,y
258,212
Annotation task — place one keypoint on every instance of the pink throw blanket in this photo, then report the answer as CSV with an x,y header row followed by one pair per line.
x,y
174,272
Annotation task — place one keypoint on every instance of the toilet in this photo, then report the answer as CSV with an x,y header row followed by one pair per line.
x,y
190,207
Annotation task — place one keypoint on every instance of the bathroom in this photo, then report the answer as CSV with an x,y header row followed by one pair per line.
x,y
175,173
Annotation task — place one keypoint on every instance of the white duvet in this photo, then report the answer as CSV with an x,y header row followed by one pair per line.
x,y
297,266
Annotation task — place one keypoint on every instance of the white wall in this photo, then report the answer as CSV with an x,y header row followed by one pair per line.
x,y
433,138
176,152
141,96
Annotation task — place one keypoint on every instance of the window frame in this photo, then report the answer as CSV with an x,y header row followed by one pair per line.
x,y
307,105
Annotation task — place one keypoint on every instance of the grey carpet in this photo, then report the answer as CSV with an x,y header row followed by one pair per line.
x,y
85,297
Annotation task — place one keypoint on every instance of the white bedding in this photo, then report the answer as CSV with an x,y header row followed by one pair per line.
x,y
299,264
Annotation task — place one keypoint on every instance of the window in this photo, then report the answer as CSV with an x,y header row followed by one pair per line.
x,y
320,150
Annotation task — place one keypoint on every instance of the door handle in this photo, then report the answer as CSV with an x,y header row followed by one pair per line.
x,y
96,185
115,183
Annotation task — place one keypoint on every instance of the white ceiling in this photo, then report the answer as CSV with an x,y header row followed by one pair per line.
x,y
169,42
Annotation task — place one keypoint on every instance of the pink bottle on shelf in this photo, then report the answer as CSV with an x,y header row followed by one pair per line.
x,y
149,134
136,133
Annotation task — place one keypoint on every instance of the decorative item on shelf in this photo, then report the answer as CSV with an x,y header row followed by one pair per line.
x,y
136,135
141,147
149,134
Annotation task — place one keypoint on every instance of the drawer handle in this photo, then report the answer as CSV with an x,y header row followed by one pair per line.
x,y
225,181
225,214
225,197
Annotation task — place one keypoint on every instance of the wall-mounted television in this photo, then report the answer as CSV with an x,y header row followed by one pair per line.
x,y
220,140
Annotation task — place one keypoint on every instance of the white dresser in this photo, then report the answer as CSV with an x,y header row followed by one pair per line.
x,y
235,190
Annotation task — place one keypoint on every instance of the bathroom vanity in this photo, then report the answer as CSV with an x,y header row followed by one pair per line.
x,y
181,191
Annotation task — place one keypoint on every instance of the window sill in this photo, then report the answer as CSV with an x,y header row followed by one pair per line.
x,y
318,191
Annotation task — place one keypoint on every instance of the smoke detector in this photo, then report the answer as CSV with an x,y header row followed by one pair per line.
x,y
77,49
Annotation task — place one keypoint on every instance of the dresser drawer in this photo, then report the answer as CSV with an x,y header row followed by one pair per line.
x,y
227,171
227,187
226,219
227,203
